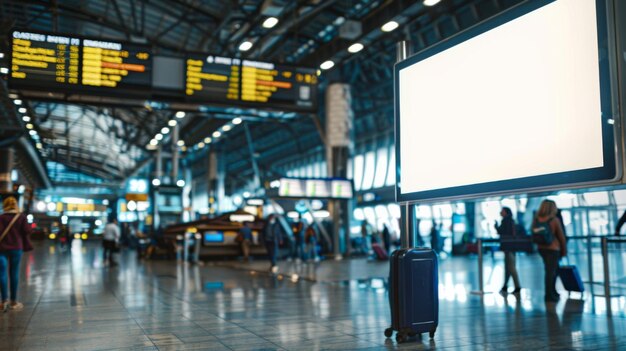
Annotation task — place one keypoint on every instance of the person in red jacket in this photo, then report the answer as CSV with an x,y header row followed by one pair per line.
x,y
14,240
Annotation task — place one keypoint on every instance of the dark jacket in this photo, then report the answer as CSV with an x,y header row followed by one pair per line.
x,y
272,232
506,227
18,237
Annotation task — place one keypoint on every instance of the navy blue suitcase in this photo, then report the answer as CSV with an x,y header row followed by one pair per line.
x,y
571,278
413,293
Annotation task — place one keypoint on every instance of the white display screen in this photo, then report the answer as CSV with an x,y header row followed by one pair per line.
x,y
319,188
517,101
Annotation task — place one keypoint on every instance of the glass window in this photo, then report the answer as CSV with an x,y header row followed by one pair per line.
x,y
565,200
394,210
620,196
423,212
358,171
459,208
358,214
381,168
368,174
391,170
442,211
350,171
600,198
510,203
382,216
370,216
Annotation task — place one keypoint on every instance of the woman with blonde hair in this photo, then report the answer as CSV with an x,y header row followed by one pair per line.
x,y
14,240
552,247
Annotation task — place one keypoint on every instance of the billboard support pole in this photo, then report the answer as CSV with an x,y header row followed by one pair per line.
x,y
403,51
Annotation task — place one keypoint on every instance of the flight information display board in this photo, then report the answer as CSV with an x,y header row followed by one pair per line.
x,y
65,62
264,82
43,59
212,78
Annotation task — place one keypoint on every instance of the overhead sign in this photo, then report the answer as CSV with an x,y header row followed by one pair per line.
x,y
315,188
46,60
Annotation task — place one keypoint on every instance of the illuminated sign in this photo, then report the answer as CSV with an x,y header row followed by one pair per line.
x,y
319,188
45,60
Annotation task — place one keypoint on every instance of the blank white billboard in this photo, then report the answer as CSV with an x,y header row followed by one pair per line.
x,y
520,100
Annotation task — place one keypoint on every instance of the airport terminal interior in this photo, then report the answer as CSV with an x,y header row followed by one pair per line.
x,y
312,175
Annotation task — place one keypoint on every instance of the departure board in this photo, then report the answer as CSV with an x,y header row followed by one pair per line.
x,y
52,61
212,78
113,64
44,58
268,83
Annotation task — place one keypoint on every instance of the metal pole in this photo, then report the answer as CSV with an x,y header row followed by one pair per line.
x,y
590,263
255,166
607,278
174,154
480,290
405,235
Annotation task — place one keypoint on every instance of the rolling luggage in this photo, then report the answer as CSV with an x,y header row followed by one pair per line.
x,y
413,293
571,278
380,253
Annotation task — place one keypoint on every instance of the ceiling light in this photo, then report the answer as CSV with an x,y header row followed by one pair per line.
x,y
172,123
165,130
389,26
17,102
1,54
154,142
354,48
180,183
237,121
245,46
39,145
159,136
217,134
180,114
4,70
431,2
207,140
226,128
25,118
21,110
270,22
30,126
33,132
181,143
327,64
156,182
151,147
200,145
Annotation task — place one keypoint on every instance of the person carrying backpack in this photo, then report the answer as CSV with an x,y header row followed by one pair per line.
x,y
14,240
547,233
507,228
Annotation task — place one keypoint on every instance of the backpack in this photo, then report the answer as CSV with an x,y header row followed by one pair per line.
x,y
542,233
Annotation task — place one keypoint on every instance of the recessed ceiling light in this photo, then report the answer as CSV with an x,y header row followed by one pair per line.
x,y
39,145
181,143
17,102
245,46
172,123
354,48
180,114
30,126
431,2
159,136
226,128
270,22
165,130
327,64
389,26
236,121
207,140
33,132
25,118
21,110
154,142
200,145
217,134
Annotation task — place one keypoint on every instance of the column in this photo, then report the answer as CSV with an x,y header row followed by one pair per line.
x,y
6,167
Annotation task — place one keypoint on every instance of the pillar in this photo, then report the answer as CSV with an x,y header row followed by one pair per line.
x,y
6,167
339,122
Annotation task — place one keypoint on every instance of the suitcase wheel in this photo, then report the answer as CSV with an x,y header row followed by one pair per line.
x,y
388,332
400,337
431,334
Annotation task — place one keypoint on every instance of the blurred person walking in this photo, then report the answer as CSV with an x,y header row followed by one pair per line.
x,y
548,234
14,241
244,238
506,228
110,241
272,237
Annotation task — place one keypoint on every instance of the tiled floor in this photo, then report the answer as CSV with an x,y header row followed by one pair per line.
x,y
73,303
